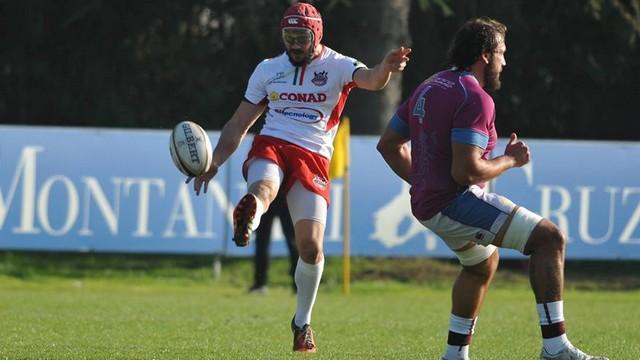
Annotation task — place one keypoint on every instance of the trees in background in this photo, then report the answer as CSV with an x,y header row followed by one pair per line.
x,y
366,31
571,65
131,64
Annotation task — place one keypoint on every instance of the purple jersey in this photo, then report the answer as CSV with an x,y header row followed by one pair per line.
x,y
450,106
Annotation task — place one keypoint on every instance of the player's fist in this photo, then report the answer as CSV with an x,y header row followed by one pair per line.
x,y
518,150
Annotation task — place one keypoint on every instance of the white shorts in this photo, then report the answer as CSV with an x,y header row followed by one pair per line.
x,y
486,219
302,203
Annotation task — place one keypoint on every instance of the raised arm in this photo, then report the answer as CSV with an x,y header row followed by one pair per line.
x,y
232,134
377,77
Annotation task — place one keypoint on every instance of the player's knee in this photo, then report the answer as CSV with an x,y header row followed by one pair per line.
x,y
546,237
266,191
557,238
485,270
311,254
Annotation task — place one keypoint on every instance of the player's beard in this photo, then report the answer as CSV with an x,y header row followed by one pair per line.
x,y
303,57
492,75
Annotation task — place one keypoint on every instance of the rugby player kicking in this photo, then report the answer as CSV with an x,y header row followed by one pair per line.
x,y
302,93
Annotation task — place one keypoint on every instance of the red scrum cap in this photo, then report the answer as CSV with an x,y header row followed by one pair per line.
x,y
303,15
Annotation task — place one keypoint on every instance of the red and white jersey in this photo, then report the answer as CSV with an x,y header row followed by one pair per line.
x,y
304,102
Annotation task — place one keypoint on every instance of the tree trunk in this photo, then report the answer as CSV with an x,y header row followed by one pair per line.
x,y
369,31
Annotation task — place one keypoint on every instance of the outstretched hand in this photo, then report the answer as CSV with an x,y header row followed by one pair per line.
x,y
396,59
203,179
518,150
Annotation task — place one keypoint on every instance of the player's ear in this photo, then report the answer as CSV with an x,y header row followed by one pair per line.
x,y
485,57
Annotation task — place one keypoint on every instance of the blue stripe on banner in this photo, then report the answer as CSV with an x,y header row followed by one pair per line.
x,y
468,209
469,136
400,126
56,195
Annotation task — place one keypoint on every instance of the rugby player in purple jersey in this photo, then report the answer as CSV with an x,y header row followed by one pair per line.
x,y
449,121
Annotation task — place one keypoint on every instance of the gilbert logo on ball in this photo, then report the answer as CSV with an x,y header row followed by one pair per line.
x,y
190,148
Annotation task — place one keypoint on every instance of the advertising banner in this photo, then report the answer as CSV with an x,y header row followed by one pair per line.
x,y
112,190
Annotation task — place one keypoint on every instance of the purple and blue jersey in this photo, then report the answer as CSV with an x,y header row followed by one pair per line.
x,y
449,107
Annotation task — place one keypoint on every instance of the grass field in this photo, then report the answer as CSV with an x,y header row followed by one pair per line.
x,y
171,308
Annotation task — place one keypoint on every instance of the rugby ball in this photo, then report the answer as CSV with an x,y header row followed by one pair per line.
x,y
190,148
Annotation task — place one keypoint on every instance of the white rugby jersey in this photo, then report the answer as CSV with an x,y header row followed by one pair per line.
x,y
304,102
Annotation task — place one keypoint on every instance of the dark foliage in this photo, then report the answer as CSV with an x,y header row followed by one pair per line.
x,y
572,65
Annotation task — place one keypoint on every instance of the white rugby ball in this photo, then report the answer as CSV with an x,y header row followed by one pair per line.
x,y
190,148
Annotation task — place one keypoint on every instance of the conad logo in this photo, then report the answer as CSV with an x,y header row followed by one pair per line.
x,y
298,97
301,114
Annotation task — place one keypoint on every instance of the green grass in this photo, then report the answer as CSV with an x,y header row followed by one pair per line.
x,y
57,306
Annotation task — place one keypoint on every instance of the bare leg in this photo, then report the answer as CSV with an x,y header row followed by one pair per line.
x,y
471,287
468,294
265,191
546,267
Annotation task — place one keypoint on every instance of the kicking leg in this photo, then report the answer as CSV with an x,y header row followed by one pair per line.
x,y
264,178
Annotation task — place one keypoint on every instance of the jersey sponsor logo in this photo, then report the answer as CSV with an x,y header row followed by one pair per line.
x,y
274,96
442,82
278,78
301,114
299,97
320,78
320,182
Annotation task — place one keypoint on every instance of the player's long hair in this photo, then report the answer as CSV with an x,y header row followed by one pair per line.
x,y
476,36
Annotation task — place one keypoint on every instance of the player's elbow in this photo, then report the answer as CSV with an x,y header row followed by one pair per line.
x,y
464,175
372,86
379,83
386,149
460,178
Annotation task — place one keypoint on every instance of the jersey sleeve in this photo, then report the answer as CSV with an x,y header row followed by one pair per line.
x,y
348,67
400,120
472,122
256,89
